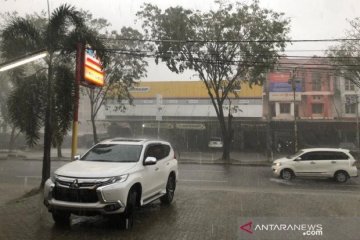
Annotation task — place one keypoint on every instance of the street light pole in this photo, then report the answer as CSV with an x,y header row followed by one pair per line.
x,y
357,122
293,84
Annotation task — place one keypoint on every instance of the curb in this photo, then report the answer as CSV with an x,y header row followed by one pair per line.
x,y
253,164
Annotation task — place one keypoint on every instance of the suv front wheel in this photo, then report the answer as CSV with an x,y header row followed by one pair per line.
x,y
287,174
125,220
61,217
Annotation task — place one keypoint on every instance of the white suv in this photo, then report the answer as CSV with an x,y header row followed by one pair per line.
x,y
317,162
215,142
113,178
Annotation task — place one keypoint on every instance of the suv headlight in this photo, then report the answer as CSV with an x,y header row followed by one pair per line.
x,y
53,178
121,178
277,164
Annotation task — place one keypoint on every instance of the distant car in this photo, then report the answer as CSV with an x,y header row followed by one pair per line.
x,y
215,142
317,162
113,178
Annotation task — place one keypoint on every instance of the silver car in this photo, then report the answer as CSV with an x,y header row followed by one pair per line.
x,y
317,162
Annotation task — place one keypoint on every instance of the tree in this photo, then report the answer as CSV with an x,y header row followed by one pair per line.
x,y
44,98
225,47
347,54
122,71
5,121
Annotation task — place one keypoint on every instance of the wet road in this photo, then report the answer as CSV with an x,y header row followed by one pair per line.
x,y
26,175
211,202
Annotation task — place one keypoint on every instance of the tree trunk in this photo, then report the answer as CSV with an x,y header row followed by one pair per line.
x,y
225,136
59,153
12,139
47,129
95,136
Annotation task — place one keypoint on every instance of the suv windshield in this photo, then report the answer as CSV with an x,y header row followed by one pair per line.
x,y
295,155
113,153
215,139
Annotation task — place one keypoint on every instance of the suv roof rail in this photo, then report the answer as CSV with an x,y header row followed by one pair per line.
x,y
126,140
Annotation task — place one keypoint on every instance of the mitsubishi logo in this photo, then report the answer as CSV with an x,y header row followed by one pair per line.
x,y
75,183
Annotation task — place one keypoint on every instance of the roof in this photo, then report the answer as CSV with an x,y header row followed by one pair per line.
x,y
131,141
324,149
186,89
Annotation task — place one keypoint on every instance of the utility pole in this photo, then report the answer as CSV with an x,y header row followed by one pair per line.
x,y
79,62
159,113
293,85
268,119
357,122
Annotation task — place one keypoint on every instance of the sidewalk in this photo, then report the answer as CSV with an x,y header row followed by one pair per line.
x,y
32,154
213,157
239,158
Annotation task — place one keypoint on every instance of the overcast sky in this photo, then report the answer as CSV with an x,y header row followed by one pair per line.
x,y
310,19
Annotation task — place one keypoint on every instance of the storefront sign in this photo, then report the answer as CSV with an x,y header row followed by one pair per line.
x,y
93,69
192,126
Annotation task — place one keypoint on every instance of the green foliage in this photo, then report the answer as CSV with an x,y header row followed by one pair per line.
x,y
211,42
225,46
26,106
347,54
36,91
122,69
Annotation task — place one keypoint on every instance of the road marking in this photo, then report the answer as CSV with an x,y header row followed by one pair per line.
x,y
299,183
199,180
280,181
28,176
210,171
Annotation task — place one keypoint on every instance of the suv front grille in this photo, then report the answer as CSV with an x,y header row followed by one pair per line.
x,y
75,195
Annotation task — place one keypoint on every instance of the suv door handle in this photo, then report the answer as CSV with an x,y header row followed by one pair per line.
x,y
333,161
156,169
312,162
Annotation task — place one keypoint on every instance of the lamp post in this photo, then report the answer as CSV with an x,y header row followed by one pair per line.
x,y
357,122
23,60
293,81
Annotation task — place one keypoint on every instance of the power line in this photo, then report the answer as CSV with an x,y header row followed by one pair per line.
x,y
229,41
245,62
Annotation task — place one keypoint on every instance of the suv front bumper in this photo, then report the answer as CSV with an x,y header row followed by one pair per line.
x,y
111,199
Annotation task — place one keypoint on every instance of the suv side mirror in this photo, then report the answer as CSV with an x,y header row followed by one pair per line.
x,y
150,161
77,157
297,159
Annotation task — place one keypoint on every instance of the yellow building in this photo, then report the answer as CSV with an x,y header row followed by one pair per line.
x,y
182,112
187,90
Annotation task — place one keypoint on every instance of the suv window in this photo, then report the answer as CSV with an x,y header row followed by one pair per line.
x,y
158,151
113,153
309,156
340,156
324,155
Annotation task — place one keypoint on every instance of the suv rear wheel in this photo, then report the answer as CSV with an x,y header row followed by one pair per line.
x,y
170,190
341,176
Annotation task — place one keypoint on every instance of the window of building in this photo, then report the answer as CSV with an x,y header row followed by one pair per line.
x,y
350,108
350,104
316,81
317,108
284,108
349,85
316,97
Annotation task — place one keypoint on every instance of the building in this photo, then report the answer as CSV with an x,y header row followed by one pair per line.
x,y
182,112
323,103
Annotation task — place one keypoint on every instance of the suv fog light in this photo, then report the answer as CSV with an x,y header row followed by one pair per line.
x,y
112,207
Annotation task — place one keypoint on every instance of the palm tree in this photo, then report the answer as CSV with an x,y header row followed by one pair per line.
x,y
45,98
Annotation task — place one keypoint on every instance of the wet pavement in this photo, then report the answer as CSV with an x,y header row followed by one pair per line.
x,y
211,202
